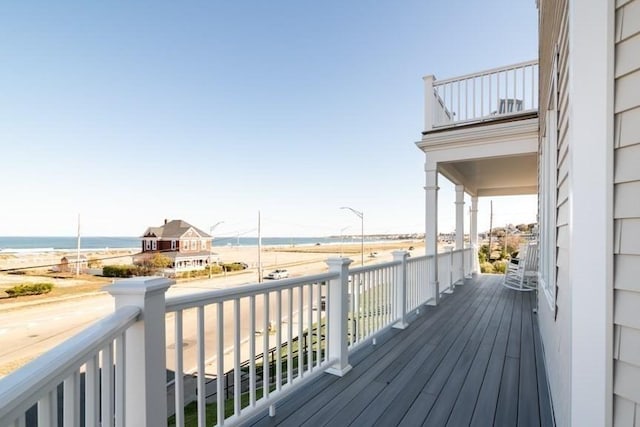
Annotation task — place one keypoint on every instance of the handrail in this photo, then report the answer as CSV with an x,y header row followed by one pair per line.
x,y
22,388
485,72
205,298
367,268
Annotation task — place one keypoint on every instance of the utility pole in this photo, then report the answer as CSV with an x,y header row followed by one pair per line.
x,y
78,250
490,231
259,251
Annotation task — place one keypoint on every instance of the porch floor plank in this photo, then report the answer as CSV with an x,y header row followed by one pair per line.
x,y
475,359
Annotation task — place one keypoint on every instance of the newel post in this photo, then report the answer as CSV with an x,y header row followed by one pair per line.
x,y
145,361
428,102
401,289
338,316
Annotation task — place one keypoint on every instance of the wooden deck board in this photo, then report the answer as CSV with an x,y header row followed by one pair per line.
x,y
475,359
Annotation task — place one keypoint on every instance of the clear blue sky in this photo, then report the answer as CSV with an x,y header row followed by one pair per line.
x,y
132,112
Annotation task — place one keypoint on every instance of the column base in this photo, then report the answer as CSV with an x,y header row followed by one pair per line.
x,y
339,372
401,324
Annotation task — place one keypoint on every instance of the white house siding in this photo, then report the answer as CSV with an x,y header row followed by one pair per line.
x,y
555,327
626,210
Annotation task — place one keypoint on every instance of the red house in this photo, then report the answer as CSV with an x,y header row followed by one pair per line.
x,y
188,247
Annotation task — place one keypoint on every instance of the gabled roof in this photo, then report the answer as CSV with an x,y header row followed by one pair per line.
x,y
173,230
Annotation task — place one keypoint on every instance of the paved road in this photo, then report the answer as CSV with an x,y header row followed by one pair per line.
x,y
27,332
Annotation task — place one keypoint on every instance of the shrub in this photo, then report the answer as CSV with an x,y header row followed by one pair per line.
x,y
486,267
118,270
234,266
29,289
500,266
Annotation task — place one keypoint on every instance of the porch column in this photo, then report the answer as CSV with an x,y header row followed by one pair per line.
x,y
473,235
431,228
459,228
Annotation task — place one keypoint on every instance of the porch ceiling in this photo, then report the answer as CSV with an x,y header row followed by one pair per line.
x,y
500,176
493,158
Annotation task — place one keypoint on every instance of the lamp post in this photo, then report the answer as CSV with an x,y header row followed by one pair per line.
x,y
211,246
361,216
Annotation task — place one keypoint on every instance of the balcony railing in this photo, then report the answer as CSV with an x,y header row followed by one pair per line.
x,y
484,96
266,339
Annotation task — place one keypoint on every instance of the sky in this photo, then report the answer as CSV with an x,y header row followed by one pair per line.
x,y
128,113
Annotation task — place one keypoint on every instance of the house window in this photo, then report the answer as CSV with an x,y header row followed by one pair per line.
x,y
203,244
154,245
147,245
184,245
548,194
173,245
194,245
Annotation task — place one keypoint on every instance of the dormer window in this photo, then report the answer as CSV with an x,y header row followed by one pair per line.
x,y
147,245
154,245
173,245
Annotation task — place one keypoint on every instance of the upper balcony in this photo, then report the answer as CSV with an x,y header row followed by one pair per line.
x,y
497,95
481,129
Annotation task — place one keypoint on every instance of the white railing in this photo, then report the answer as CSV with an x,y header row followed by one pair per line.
x,y
233,352
96,355
487,95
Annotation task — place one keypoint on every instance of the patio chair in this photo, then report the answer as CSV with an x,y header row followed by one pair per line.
x,y
522,271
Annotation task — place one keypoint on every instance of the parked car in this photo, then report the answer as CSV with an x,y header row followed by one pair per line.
x,y
277,274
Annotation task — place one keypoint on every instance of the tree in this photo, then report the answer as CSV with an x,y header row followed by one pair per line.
x,y
159,261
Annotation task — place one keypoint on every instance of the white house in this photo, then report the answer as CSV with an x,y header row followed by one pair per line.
x,y
579,149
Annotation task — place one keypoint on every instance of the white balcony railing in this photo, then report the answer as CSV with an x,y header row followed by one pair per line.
x,y
233,351
484,96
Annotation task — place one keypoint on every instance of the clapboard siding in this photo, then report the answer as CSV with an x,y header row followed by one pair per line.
x,y
627,268
626,212
627,128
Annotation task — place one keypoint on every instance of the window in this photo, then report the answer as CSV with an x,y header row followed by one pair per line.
x,y
184,245
154,245
204,244
194,245
548,193
147,245
173,245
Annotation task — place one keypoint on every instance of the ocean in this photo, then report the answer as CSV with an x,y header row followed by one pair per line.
x,y
9,244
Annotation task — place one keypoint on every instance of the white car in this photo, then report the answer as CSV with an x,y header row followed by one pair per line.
x,y
277,274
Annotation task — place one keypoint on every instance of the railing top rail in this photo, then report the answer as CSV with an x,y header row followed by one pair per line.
x,y
20,389
418,258
205,298
485,72
367,268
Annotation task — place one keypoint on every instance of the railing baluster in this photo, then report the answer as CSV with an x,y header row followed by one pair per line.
x,y
310,327
220,378
290,336
121,372
319,324
279,340
201,379
106,394
178,380
46,406
70,400
265,347
300,333
252,350
91,392
237,386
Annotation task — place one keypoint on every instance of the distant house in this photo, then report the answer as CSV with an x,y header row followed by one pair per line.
x,y
188,247
69,263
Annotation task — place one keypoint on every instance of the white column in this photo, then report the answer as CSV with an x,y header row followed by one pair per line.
x,y
591,59
459,229
145,360
401,289
338,316
428,102
473,235
431,228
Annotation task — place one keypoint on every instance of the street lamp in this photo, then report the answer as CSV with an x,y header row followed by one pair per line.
x,y
211,245
361,216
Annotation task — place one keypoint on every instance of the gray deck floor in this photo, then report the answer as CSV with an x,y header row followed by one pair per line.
x,y
476,359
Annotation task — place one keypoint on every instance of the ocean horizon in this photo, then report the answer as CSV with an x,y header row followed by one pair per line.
x,y
9,244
